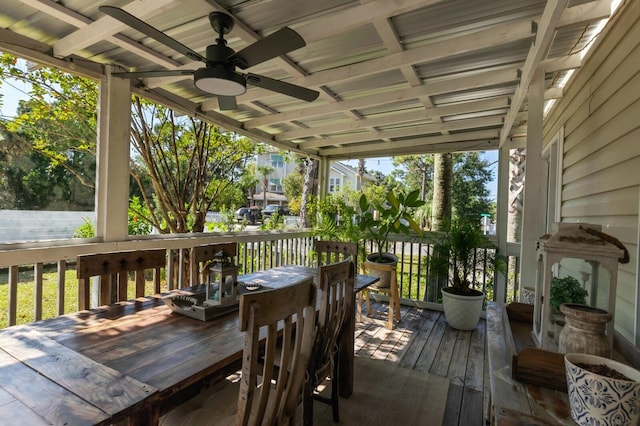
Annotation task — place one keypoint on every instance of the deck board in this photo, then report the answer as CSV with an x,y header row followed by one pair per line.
x,y
424,341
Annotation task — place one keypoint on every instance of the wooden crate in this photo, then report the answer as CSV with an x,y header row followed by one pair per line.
x,y
528,363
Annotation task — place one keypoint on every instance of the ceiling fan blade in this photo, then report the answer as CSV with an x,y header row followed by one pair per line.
x,y
151,74
227,103
282,87
137,24
275,44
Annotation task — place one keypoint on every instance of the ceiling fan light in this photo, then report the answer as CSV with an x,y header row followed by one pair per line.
x,y
220,81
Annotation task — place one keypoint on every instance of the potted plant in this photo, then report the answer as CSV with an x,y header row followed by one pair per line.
x,y
563,290
566,290
378,221
461,251
602,391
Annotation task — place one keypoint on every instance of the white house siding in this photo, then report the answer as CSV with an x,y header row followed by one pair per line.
x,y
600,112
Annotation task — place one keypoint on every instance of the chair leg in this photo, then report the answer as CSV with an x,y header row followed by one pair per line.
x,y
307,404
334,393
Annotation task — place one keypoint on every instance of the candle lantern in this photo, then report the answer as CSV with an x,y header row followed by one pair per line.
x,y
584,252
222,281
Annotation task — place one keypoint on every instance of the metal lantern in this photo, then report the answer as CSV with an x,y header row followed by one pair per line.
x,y
222,280
584,252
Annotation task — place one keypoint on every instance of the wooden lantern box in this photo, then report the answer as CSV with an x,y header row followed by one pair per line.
x,y
530,364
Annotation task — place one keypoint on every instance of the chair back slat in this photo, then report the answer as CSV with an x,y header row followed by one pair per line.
x,y
335,289
335,251
277,403
201,256
113,269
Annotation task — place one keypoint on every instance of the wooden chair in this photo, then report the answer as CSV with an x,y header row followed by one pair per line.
x,y
264,401
335,251
392,291
335,288
201,256
113,269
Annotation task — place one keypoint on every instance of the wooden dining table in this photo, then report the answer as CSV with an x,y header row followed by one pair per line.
x,y
129,362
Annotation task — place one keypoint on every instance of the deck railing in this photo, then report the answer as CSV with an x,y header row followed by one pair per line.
x,y
38,279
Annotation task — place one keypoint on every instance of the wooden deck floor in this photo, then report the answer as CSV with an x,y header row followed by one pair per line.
x,y
424,341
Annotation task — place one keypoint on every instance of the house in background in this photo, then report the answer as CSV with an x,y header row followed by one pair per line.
x,y
340,174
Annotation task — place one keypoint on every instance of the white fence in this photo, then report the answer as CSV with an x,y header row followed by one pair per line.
x,y
29,225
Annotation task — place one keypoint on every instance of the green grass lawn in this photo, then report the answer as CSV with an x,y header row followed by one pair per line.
x,y
25,305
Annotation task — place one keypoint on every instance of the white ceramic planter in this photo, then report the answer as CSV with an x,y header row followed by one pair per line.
x,y
601,400
462,312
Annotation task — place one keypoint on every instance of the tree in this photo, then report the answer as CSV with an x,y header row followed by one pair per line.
x,y
442,184
416,171
265,171
361,172
309,190
52,139
470,197
248,182
181,167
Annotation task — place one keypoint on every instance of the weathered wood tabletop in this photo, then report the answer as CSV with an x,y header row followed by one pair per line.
x,y
514,402
133,360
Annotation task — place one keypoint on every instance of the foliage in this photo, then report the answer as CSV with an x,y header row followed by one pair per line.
x,y
183,166
294,205
86,230
51,140
273,222
377,221
461,251
470,196
416,172
137,224
566,290
292,184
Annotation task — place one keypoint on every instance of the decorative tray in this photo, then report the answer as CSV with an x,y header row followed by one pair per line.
x,y
192,304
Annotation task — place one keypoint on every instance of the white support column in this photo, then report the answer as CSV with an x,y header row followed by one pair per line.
x,y
323,177
502,218
533,221
112,164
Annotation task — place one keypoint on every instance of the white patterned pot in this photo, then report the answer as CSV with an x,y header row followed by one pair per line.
x,y
601,400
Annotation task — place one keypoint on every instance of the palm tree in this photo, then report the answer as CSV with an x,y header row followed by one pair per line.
x,y
265,171
442,183
361,171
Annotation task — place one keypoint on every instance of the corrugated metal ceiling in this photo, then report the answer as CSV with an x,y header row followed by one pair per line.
x,y
394,77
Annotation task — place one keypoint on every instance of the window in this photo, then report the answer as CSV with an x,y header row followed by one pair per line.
x,y
277,161
275,185
334,185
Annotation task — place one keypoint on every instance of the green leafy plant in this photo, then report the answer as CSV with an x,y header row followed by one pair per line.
x,y
461,251
566,290
394,215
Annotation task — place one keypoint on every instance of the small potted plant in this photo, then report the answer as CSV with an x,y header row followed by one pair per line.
x,y
378,221
566,290
461,251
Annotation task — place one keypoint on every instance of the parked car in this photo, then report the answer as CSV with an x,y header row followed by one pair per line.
x,y
251,214
274,208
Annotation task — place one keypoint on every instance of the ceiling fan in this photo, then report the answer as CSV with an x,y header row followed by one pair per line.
x,y
219,76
